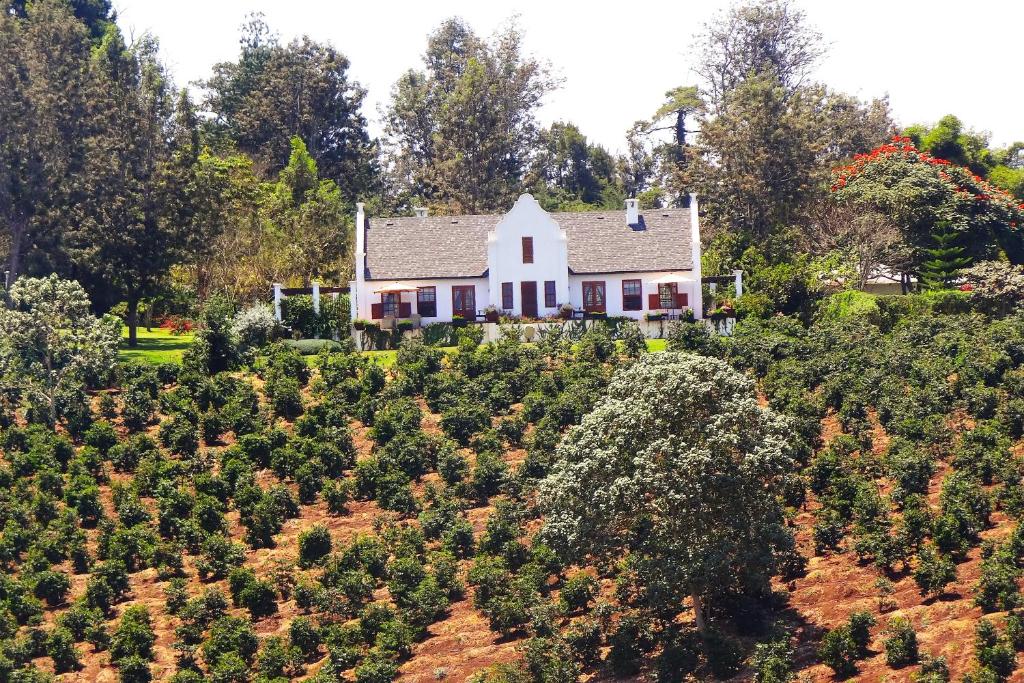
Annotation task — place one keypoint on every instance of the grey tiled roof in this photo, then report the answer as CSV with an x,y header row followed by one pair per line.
x,y
456,246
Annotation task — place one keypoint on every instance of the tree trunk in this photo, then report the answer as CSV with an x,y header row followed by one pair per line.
x,y
18,227
698,614
133,322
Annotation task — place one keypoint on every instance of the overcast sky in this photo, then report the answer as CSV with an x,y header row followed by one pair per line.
x,y
932,57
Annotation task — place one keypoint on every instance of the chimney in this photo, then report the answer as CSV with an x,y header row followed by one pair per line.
x,y
420,211
632,211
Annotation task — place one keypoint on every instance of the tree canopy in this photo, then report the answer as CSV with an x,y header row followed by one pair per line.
x,y
678,470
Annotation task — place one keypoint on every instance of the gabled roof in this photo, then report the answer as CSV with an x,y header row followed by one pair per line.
x,y
431,247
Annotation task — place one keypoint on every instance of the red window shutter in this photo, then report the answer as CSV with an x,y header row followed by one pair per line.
x,y
527,250
653,301
376,311
682,299
404,309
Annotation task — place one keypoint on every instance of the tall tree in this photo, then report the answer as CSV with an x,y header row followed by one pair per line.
x,y
570,172
461,131
677,472
764,38
133,221
274,92
44,124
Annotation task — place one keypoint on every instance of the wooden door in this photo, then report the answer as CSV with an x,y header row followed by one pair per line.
x,y
529,293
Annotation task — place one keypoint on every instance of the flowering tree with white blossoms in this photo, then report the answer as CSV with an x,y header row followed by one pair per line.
x,y
679,472
50,343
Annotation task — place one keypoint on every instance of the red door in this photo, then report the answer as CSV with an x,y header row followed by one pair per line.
x,y
464,301
529,292
593,297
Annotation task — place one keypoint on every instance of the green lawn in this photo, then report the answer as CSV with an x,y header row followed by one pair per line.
x,y
155,346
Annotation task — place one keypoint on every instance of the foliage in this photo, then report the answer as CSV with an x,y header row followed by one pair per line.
x,y
664,407
52,347
997,287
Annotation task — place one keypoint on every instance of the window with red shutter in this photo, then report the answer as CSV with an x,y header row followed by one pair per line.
x,y
527,250
653,302
682,300
506,296
667,294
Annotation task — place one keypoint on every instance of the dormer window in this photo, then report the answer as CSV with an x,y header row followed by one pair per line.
x,y
527,250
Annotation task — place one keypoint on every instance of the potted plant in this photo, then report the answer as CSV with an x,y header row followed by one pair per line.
x,y
405,325
458,321
565,311
360,324
654,316
491,314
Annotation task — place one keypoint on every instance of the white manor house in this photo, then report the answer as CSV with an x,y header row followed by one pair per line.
x,y
527,263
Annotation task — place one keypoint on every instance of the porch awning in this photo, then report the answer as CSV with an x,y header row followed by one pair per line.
x,y
668,279
395,288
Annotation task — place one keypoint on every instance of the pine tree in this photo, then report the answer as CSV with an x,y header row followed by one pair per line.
x,y
945,259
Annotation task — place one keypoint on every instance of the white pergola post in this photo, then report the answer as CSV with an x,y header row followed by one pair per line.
x,y
316,303
738,274
277,301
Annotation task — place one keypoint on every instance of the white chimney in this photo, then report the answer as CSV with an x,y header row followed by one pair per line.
x,y
420,211
632,211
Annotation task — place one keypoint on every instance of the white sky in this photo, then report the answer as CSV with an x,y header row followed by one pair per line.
x,y
932,57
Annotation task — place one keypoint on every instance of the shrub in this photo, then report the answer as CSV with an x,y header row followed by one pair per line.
x,y
997,588
992,652
773,662
254,327
60,646
133,669
219,556
376,667
260,598
464,419
860,631
304,636
578,591
628,643
314,545
934,571
52,586
101,436
900,643
230,635
212,425
134,636
839,652
724,655
337,494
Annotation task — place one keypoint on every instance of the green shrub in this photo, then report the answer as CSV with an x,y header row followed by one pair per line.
x,y
773,662
578,591
934,571
839,652
900,643
312,347
860,631
260,598
134,635
314,545
60,646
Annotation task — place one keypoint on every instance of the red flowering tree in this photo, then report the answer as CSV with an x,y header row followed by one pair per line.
x,y
918,191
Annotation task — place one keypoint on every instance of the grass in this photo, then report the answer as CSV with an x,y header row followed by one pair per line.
x,y
155,346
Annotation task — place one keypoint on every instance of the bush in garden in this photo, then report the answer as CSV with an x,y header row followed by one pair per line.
x,y
630,640
452,466
724,655
179,435
489,474
997,588
212,426
578,591
839,652
260,598
314,545
133,669
60,646
633,340
219,556
101,436
933,670
464,419
773,662
230,635
860,631
254,327
52,586
134,635
337,494
284,395
377,667
900,643
992,652
304,636
934,572
828,531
